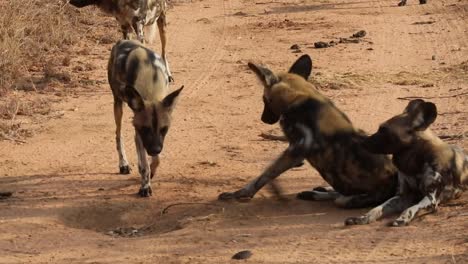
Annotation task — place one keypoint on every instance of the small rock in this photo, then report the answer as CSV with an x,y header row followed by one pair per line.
x,y
433,57
359,34
295,47
321,45
242,255
4,195
346,40
240,13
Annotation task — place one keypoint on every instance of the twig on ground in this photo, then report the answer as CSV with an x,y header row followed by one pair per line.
x,y
460,136
431,97
5,136
273,137
455,215
164,211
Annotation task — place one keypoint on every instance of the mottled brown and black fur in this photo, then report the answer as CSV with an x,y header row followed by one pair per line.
x,y
430,170
133,16
323,135
137,76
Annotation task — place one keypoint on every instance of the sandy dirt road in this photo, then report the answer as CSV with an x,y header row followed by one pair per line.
x,y
71,206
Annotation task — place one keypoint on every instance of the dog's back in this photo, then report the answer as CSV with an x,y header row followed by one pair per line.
x,y
336,151
134,65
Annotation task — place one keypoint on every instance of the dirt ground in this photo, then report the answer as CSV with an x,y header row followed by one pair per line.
x,y
70,206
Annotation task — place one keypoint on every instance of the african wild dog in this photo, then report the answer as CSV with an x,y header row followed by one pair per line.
x,y
403,2
134,15
430,170
137,76
323,135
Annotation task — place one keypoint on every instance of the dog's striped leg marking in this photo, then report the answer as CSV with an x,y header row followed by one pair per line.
x,y
143,168
409,214
391,206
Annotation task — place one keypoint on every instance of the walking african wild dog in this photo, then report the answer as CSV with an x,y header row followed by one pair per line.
x,y
403,2
323,135
430,170
134,15
138,77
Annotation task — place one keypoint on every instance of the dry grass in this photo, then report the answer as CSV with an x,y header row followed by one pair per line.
x,y
30,31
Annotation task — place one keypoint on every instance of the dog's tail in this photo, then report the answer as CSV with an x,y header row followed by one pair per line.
x,y
83,3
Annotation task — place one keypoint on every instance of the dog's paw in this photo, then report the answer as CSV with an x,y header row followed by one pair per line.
x,y
362,220
124,169
398,223
226,196
145,191
308,195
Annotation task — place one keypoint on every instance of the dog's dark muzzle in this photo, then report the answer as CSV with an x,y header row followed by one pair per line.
x,y
268,116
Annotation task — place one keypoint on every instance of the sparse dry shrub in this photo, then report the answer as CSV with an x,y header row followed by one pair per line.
x,y
30,30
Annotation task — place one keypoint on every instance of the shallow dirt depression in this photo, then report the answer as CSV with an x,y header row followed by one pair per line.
x,y
69,205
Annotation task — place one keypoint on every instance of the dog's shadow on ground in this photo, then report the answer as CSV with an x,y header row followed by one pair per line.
x,y
146,217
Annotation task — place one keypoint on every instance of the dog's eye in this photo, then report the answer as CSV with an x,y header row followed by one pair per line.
x,y
163,131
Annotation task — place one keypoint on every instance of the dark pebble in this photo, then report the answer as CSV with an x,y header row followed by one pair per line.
x,y
242,255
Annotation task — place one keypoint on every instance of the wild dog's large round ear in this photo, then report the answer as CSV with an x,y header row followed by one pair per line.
x,y
169,100
267,77
413,105
302,66
422,114
134,100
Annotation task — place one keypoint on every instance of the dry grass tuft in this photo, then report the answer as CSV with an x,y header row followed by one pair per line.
x,y
30,31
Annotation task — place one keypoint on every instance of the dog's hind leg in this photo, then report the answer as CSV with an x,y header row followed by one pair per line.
x,y
138,27
357,201
162,35
319,194
126,30
118,112
143,168
282,164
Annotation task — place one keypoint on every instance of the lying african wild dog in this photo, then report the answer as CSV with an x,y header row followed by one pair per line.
x,y
403,2
134,15
430,170
138,77
323,135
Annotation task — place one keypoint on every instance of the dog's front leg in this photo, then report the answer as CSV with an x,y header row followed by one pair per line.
x,y
391,206
143,168
405,218
285,161
154,165
432,186
118,112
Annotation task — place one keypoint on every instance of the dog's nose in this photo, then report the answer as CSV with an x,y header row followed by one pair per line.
x,y
155,151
